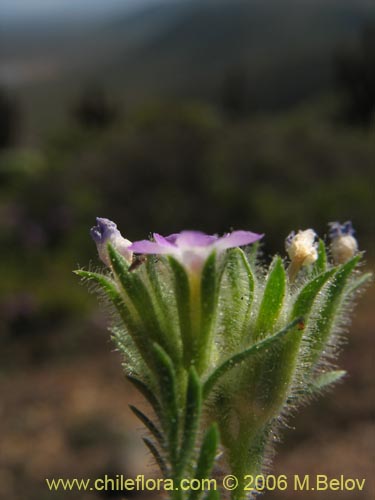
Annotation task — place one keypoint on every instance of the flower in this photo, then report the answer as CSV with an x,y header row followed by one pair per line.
x,y
192,248
343,244
106,232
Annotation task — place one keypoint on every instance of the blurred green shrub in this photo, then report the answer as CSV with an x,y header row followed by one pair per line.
x,y
172,165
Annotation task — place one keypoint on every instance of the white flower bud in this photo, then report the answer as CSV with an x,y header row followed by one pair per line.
x,y
302,247
343,243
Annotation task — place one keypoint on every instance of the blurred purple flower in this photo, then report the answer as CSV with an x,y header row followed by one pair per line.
x,y
336,229
192,248
106,232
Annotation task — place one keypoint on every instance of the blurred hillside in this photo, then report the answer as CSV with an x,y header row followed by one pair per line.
x,y
180,49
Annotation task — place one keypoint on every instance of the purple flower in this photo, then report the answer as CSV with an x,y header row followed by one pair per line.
x,y
106,232
192,248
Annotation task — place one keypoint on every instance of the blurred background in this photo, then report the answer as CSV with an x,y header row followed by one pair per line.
x,y
164,115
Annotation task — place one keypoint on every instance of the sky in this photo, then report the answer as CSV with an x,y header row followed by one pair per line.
x,y
22,9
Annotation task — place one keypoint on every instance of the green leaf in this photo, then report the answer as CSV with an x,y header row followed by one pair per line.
x,y
206,458
253,253
182,291
168,393
157,456
321,263
277,371
208,294
208,307
326,379
331,309
131,322
165,312
272,301
149,424
359,282
192,416
105,283
147,393
245,355
139,295
308,294
237,295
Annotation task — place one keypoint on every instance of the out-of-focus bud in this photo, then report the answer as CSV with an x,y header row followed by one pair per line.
x,y
106,232
343,243
302,250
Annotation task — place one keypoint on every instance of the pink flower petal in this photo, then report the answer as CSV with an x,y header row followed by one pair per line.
x,y
237,239
150,247
191,239
161,240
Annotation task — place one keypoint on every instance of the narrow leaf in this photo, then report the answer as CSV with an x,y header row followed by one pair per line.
x,y
321,263
192,415
166,316
106,284
139,295
359,282
182,291
332,303
238,293
272,299
147,393
254,350
206,458
208,307
306,297
168,391
158,458
130,321
149,424
326,379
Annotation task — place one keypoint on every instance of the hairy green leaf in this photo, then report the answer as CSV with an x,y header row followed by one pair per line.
x,y
164,312
321,263
168,393
206,457
272,301
192,415
332,308
245,355
147,393
138,293
208,307
127,316
157,456
359,282
326,379
308,294
237,295
149,424
182,291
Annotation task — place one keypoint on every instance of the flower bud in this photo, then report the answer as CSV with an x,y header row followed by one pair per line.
x,y
106,232
343,243
302,250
